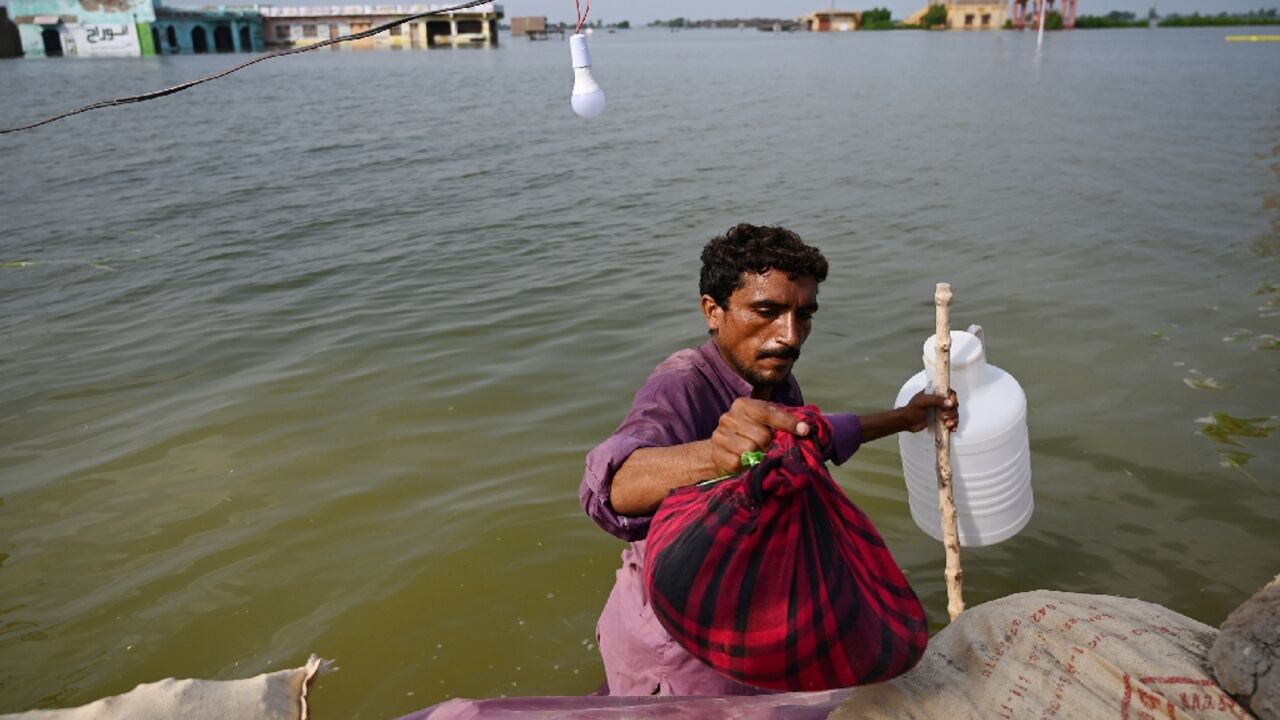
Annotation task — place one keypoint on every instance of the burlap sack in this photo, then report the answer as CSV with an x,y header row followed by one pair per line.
x,y
280,695
1062,655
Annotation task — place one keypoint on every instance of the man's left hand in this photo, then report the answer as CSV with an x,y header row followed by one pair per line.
x,y
916,413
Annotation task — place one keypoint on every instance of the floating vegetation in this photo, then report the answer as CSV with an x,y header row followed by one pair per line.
x,y
1227,429
1236,460
1159,335
1223,427
1265,342
1205,384
1271,307
14,264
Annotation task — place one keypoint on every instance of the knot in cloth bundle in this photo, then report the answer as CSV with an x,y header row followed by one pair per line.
x,y
776,579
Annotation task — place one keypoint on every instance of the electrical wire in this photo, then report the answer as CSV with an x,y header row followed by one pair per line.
x,y
294,51
582,16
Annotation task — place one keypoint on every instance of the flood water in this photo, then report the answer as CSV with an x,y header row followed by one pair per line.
x,y
307,359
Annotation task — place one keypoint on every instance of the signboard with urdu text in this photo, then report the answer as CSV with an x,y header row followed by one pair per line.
x,y
104,40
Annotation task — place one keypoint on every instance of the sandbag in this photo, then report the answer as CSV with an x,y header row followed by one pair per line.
x,y
774,578
280,695
1056,655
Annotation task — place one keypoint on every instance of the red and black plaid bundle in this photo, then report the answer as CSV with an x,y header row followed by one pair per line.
x,y
776,579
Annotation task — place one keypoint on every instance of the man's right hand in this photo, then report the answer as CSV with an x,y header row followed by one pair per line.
x,y
748,426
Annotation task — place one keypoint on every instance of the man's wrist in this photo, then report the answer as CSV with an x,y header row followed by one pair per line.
x,y
901,422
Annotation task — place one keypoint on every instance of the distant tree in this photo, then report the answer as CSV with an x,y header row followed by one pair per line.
x,y
1053,21
934,16
676,23
877,19
624,25
1259,17
1113,19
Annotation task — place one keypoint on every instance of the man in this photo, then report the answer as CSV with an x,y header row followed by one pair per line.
x,y
700,410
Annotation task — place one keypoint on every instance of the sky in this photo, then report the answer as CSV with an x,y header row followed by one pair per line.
x,y
642,12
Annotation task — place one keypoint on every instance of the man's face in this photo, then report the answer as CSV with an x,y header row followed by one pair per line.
x,y
768,319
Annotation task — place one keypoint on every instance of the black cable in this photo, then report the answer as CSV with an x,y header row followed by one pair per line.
x,y
179,88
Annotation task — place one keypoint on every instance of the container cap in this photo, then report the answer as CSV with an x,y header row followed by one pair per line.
x,y
966,350
968,361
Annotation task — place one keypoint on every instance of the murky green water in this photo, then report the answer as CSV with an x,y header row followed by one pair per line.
x,y
307,360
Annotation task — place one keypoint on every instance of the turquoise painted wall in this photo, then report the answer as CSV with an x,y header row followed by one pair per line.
x,y
184,25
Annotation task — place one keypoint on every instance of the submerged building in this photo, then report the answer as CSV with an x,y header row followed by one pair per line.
x,y
967,14
309,24
220,29
84,28
832,21
129,28
533,26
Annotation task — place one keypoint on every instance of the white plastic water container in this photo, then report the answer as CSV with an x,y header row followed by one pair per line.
x,y
990,449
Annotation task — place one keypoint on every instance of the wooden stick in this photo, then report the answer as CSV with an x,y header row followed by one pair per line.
x,y
942,442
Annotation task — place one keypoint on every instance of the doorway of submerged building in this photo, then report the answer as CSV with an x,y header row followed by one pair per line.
x,y
199,40
362,43
438,32
52,42
10,37
222,41
246,43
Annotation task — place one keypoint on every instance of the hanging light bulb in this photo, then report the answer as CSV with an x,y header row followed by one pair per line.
x,y
588,98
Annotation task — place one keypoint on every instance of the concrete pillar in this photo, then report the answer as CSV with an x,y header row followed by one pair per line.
x,y
146,41
453,31
32,42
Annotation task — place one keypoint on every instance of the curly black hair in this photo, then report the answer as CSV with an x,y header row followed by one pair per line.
x,y
756,249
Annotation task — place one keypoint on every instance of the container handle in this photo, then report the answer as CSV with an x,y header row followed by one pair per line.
x,y
976,330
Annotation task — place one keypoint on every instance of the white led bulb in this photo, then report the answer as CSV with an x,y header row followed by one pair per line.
x,y
588,98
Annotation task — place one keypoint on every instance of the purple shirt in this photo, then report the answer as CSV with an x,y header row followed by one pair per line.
x,y
680,403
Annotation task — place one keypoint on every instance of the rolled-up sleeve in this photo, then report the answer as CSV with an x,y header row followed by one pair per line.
x,y
664,414
846,436
597,482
